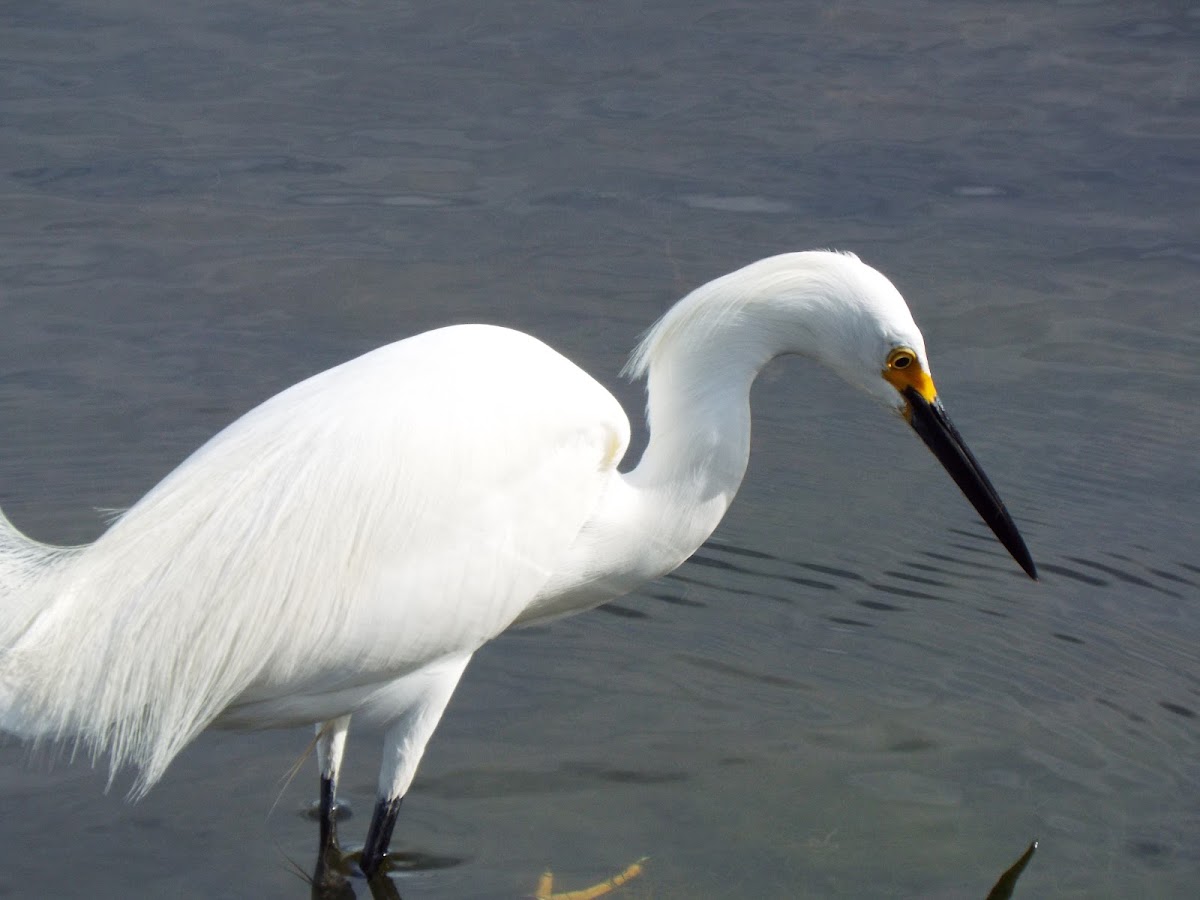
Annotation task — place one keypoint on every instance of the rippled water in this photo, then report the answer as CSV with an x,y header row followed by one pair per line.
x,y
851,691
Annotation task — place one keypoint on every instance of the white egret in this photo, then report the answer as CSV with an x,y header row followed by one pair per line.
x,y
344,548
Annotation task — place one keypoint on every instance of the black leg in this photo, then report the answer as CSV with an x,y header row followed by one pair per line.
x,y
328,823
328,881
379,835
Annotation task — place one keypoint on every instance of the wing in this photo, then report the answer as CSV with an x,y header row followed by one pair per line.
x,y
377,516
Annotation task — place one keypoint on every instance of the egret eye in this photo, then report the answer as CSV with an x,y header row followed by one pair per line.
x,y
901,358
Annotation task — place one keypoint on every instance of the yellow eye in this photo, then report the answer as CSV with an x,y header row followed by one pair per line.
x,y
901,358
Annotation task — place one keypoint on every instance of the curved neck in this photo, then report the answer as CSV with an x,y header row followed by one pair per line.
x,y
699,419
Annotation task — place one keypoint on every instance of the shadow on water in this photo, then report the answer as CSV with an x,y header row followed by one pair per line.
x,y
338,883
335,876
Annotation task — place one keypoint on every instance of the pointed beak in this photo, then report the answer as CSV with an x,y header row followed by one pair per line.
x,y
928,419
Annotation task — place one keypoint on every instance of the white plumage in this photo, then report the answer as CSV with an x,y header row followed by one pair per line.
x,y
346,546
334,539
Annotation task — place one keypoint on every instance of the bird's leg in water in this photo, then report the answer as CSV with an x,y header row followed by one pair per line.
x,y
423,702
331,744
379,835
328,820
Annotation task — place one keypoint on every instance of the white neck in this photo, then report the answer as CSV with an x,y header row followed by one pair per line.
x,y
699,418
653,518
701,360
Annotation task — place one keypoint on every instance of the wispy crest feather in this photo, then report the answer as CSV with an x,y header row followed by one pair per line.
x,y
712,306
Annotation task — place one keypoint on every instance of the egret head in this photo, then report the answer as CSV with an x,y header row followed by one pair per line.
x,y
851,318
845,314
865,332
837,310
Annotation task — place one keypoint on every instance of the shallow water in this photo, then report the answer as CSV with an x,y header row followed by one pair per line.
x,y
852,691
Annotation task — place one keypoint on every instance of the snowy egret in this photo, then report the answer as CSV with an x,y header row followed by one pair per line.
x,y
344,548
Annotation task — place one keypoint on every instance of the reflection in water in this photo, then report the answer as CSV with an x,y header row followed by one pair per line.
x,y
336,884
1008,881
337,872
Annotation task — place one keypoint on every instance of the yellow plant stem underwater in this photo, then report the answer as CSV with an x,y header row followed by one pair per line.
x,y
545,887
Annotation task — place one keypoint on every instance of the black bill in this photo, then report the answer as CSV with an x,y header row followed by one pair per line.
x,y
929,420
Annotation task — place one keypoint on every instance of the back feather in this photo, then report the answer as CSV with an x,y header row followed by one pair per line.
x,y
351,529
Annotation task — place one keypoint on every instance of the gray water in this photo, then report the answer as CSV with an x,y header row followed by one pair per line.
x,y
852,692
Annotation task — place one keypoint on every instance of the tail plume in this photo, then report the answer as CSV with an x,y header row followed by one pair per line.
x,y
26,567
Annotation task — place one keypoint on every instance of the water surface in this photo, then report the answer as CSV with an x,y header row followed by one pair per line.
x,y
852,692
